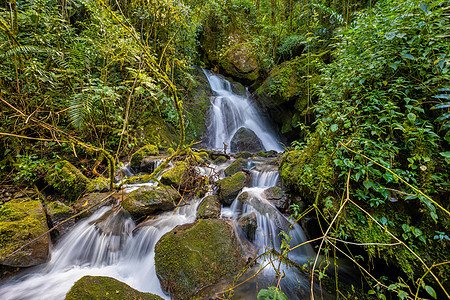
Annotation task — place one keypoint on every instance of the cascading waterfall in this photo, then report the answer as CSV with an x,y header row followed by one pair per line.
x,y
230,111
105,244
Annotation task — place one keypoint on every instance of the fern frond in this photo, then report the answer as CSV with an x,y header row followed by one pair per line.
x,y
81,106
27,49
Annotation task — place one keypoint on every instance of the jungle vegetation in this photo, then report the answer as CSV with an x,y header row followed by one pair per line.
x,y
82,80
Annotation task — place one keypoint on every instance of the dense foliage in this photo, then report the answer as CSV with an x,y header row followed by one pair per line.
x,y
366,85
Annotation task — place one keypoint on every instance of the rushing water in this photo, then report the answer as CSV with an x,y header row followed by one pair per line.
x,y
102,245
230,111
109,244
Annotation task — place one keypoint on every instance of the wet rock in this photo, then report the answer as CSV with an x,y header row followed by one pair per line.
x,y
150,199
58,212
92,199
236,166
245,140
176,176
138,156
194,256
67,180
105,288
277,197
209,208
248,224
229,187
21,221
148,164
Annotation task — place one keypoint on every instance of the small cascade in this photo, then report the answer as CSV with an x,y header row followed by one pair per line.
x,y
230,111
105,244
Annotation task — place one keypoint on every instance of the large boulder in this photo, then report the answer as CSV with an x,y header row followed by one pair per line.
x,y
194,256
138,156
150,199
21,221
67,180
105,288
229,187
236,166
245,140
209,208
286,94
240,62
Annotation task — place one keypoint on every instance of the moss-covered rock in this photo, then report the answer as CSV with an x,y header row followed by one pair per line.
x,y
209,208
138,156
236,166
67,180
21,221
229,187
58,212
220,160
105,288
150,199
198,104
98,184
286,94
194,256
243,154
91,199
176,176
240,62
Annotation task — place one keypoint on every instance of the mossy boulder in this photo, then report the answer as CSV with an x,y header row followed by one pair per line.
x,y
96,200
240,62
194,256
150,199
245,140
229,187
159,132
67,180
176,176
220,160
58,212
21,221
209,208
286,94
236,166
196,109
105,288
243,154
138,156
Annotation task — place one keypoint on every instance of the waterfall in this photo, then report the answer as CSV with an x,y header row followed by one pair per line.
x,y
230,111
105,244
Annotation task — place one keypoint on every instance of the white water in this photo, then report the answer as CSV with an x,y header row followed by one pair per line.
x,y
230,111
102,245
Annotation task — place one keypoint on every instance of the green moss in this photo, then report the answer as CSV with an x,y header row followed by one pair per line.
x,y
209,208
174,176
236,166
229,187
148,150
194,256
22,220
105,288
58,209
147,200
98,184
67,180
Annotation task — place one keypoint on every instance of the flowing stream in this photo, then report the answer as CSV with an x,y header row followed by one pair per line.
x,y
230,111
109,243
